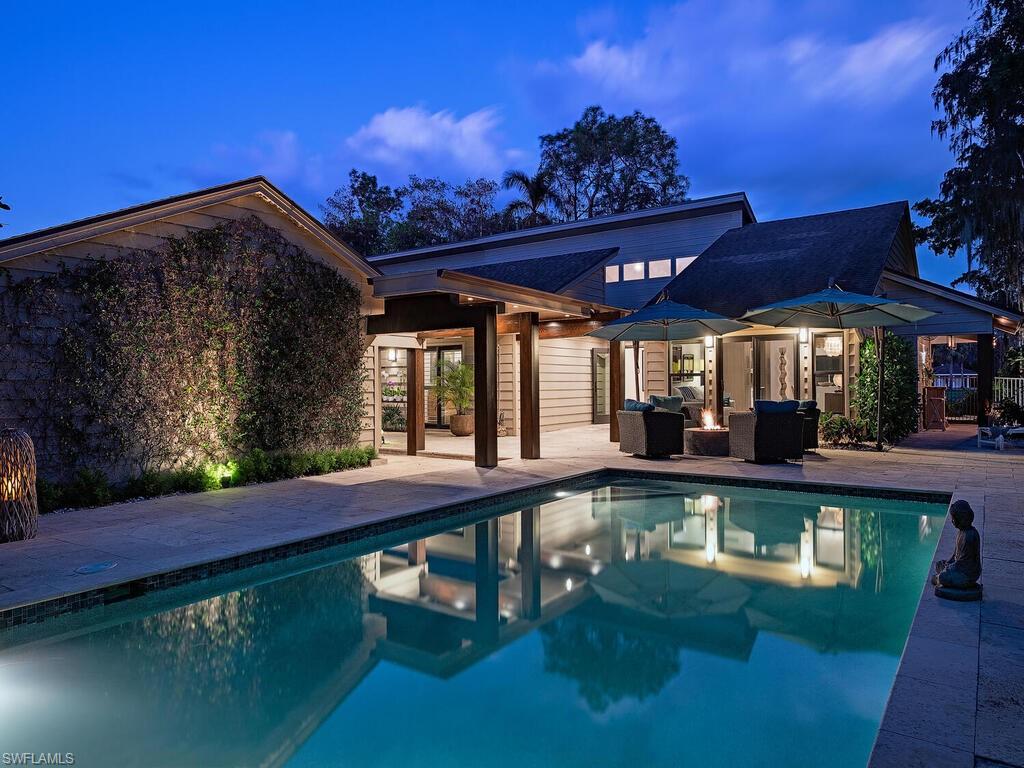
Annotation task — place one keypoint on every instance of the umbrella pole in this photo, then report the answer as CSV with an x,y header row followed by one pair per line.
x,y
636,367
880,358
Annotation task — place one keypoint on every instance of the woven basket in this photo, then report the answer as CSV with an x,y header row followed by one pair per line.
x,y
19,512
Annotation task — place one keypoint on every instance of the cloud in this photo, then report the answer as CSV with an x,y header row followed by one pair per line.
x,y
879,69
276,154
412,139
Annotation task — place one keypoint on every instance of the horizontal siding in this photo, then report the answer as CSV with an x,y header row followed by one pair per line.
x,y
665,240
952,318
566,399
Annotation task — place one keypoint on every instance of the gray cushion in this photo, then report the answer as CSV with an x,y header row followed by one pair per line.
x,y
807,405
690,394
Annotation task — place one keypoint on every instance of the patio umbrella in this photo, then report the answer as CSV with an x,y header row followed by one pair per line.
x,y
665,321
670,590
836,308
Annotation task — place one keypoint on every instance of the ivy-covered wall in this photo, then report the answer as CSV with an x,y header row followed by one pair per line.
x,y
223,341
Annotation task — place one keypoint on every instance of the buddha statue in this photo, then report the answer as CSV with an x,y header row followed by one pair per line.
x,y
957,578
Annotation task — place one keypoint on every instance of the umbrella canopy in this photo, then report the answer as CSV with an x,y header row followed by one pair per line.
x,y
835,308
667,321
670,590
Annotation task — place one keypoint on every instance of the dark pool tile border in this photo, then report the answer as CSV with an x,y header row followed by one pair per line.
x,y
459,513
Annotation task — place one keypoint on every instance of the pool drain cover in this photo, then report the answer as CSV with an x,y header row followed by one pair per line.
x,y
85,570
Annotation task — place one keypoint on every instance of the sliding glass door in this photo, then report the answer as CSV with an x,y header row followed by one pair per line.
x,y
434,360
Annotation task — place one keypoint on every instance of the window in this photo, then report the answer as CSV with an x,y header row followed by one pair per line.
x,y
684,262
828,372
611,273
634,271
660,268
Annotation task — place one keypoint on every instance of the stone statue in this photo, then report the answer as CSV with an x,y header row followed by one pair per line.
x,y
957,578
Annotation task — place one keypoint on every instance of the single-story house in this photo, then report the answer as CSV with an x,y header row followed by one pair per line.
x,y
518,305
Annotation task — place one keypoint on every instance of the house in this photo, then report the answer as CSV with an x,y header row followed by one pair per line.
x,y
518,306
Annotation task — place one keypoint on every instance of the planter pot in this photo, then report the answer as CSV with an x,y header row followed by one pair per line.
x,y
462,426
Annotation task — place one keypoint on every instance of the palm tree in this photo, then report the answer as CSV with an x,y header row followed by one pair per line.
x,y
530,210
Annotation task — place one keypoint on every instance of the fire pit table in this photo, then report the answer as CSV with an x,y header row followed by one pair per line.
x,y
698,441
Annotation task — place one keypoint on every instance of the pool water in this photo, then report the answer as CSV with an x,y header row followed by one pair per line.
x,y
642,623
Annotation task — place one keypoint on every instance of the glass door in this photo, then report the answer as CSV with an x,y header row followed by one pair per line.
x,y
601,395
434,360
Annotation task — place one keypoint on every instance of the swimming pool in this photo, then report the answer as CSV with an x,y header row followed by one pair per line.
x,y
633,622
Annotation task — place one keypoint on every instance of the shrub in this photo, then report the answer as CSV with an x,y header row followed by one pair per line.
x,y
836,429
901,403
90,488
1010,412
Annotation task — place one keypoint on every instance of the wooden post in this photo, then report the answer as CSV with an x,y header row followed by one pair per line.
x,y
529,561
616,388
529,386
415,431
485,396
880,358
986,373
417,552
487,580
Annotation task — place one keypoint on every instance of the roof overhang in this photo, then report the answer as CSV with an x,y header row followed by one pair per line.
x,y
96,226
472,289
1002,318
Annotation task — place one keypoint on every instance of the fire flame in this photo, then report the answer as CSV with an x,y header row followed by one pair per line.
x,y
707,419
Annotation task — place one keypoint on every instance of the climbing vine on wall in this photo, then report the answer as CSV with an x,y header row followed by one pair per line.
x,y
223,341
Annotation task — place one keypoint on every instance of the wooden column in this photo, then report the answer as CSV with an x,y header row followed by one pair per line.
x,y
415,432
485,372
417,552
986,373
486,534
616,388
529,386
529,561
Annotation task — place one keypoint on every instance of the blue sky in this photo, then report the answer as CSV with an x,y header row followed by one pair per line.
x,y
805,106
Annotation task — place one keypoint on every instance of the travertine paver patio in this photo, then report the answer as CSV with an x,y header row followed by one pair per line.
x,y
959,693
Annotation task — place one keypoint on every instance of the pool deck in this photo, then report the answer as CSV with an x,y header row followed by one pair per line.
x,y
958,699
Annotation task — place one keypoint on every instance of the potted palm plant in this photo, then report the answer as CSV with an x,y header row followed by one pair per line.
x,y
455,388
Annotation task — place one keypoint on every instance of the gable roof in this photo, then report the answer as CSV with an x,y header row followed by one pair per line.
x,y
545,273
93,226
704,206
775,260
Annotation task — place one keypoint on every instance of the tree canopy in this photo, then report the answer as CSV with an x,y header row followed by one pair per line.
x,y
980,206
606,164
602,164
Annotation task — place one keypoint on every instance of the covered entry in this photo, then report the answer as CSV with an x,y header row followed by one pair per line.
x,y
450,315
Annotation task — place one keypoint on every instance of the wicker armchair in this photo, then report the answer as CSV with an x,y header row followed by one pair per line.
x,y
811,418
651,434
766,437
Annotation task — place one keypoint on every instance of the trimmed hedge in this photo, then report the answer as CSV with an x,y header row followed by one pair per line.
x,y
91,488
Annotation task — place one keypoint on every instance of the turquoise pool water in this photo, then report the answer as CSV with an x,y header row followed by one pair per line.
x,y
640,623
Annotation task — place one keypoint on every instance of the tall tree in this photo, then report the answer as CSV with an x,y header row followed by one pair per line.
x,y
4,207
530,210
364,213
981,199
606,164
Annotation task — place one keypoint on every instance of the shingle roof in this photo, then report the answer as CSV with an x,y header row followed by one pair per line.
x,y
545,273
763,263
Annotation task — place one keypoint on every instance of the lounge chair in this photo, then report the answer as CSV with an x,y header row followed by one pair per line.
x,y
764,437
651,434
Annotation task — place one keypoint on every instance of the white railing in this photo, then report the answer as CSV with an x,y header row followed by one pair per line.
x,y
1003,387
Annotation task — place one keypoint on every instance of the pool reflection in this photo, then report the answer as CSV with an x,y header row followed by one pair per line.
x,y
616,581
